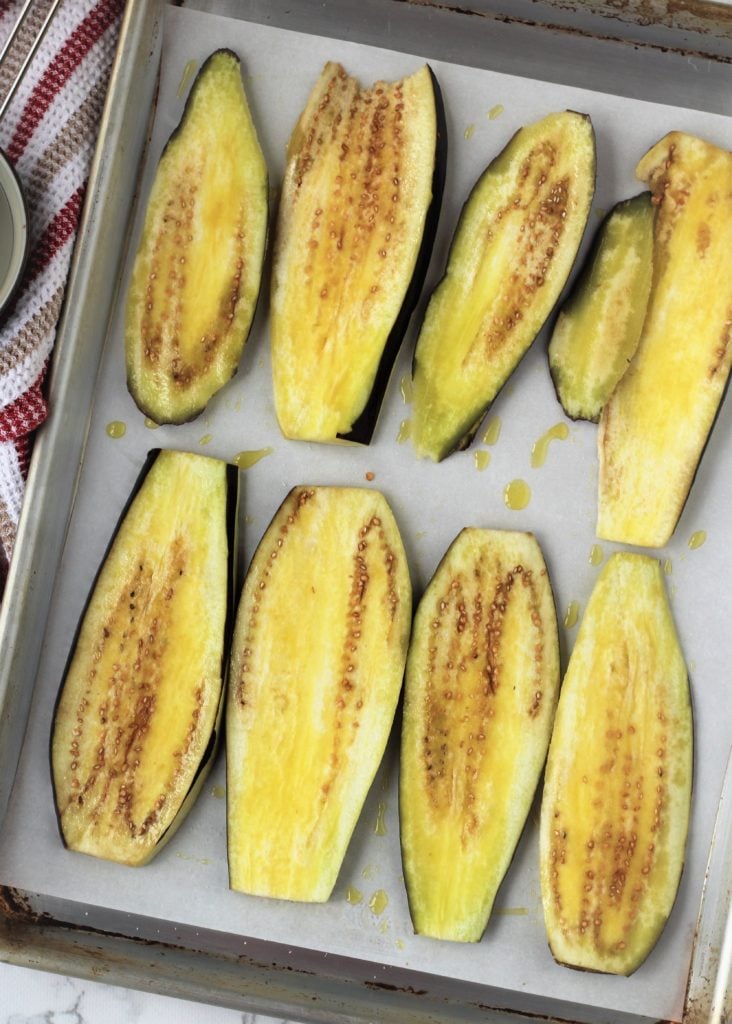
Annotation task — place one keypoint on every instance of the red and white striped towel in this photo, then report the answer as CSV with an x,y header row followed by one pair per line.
x,y
48,134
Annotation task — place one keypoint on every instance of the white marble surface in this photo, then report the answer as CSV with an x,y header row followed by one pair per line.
x,y
34,997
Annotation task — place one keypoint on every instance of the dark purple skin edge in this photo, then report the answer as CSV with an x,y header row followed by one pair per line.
x,y
540,776
363,426
467,438
173,135
232,501
579,286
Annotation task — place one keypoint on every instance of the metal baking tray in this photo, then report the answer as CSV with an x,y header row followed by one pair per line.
x,y
173,926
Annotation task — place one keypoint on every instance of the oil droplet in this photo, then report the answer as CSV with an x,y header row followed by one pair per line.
x,y
249,519
492,431
495,111
188,72
399,943
570,619
116,429
512,911
517,495
219,792
406,388
468,133
151,424
405,431
244,460
384,927
368,871
206,439
378,902
596,554
668,567
380,826
354,896
559,432
695,541
481,460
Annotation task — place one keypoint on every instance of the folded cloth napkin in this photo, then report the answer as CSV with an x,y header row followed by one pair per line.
x,y
48,134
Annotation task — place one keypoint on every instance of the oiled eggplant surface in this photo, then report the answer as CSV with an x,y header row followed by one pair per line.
x,y
615,809
138,708
356,222
198,267
511,254
598,327
655,426
481,689
316,668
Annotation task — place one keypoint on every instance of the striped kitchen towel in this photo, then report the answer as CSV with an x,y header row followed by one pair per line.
x,y
48,134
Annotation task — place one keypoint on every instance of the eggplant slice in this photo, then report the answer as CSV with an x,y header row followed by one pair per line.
x,y
512,252
357,219
481,689
138,713
198,267
655,426
599,325
616,800
316,669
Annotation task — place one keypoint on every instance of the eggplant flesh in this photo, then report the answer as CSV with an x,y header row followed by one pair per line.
x,y
481,688
655,426
198,268
357,218
615,809
138,712
599,325
511,254
316,669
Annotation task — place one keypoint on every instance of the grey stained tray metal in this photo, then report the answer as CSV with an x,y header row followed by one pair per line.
x,y
339,962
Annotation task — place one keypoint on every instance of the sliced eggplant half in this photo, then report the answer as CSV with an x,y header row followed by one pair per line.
x,y
481,689
316,668
598,327
511,254
139,709
655,426
198,268
357,219
615,810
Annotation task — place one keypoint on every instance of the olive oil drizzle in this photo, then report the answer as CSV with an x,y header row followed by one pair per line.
x,y
697,539
539,449
247,459
378,902
517,495
405,431
116,429
380,826
571,615
188,72
481,459
492,431
596,555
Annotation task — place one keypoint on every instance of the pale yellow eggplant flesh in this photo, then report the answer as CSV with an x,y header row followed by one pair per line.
x,y
481,688
139,710
198,268
512,252
357,218
655,426
598,327
617,790
316,669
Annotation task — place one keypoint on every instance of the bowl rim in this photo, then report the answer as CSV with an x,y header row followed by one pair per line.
x,y
11,188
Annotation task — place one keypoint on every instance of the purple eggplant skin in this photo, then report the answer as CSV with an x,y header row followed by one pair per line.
x,y
363,427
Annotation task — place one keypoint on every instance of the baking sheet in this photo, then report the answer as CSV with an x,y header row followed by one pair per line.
x,y
431,503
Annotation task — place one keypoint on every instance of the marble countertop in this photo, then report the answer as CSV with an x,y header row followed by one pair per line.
x,y
34,997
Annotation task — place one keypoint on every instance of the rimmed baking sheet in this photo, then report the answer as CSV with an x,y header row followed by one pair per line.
x,y
187,883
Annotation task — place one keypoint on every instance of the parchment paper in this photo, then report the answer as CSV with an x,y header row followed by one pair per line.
x,y
187,883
